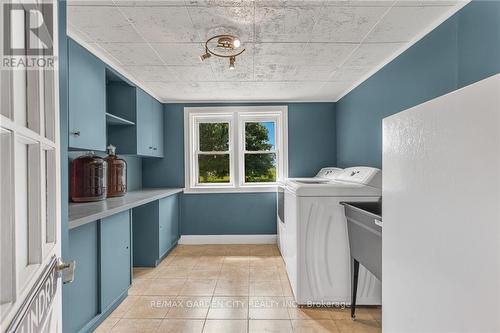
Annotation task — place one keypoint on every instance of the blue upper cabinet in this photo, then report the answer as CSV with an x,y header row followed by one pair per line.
x,y
87,99
144,123
149,125
145,137
157,139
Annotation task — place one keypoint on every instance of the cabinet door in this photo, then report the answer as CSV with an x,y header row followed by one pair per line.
x,y
115,257
145,235
81,297
87,99
169,218
164,235
157,128
144,123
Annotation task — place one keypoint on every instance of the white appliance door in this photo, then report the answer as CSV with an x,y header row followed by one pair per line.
x,y
280,197
30,289
290,238
441,211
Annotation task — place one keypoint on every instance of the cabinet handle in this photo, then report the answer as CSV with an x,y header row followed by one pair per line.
x,y
155,148
150,147
76,132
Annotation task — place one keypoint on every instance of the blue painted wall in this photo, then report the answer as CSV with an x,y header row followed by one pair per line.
x,y
311,138
228,213
462,50
311,145
134,172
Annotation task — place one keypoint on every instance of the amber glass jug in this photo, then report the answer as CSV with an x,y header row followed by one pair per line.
x,y
88,178
117,173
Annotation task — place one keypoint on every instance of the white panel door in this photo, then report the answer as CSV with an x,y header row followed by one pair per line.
x,y
30,289
441,204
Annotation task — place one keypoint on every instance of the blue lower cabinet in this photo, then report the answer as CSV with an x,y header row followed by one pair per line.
x,y
155,230
102,251
169,223
115,257
81,297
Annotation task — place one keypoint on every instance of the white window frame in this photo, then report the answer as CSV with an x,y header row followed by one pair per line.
x,y
236,117
205,119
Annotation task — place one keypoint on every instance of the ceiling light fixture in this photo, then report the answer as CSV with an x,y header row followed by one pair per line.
x,y
223,46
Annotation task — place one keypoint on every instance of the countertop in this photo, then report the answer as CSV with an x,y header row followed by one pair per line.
x,y
83,213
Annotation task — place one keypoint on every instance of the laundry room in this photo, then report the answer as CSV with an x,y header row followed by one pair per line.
x,y
250,166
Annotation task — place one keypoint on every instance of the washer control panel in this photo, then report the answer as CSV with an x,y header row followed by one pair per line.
x,y
329,173
362,175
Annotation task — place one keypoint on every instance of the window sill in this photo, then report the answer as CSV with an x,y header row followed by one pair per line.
x,y
246,189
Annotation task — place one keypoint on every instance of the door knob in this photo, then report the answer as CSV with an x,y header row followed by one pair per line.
x,y
66,270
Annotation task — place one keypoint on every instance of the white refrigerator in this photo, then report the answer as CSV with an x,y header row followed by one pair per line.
x,y
441,214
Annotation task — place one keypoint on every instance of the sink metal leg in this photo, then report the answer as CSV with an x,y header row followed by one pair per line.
x,y
354,287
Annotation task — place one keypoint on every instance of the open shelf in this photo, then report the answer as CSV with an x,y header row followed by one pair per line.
x,y
113,120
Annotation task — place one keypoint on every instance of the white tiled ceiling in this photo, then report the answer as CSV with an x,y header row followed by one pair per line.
x,y
296,50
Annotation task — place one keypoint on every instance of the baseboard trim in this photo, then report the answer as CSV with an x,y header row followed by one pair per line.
x,y
227,239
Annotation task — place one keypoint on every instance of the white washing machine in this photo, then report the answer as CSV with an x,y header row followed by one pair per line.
x,y
314,241
324,175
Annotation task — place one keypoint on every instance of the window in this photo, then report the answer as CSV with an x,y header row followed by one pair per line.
x,y
234,149
213,152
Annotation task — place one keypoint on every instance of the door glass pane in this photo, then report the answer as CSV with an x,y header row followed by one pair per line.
x,y
213,169
43,197
7,217
19,75
6,92
214,136
21,203
260,136
260,168
49,105
50,195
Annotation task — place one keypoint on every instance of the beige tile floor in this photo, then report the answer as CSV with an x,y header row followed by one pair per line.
x,y
225,288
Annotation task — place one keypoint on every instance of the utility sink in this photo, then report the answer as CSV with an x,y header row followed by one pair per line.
x,y
364,225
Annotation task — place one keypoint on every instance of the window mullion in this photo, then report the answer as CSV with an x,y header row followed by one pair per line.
x,y
235,140
225,152
260,152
